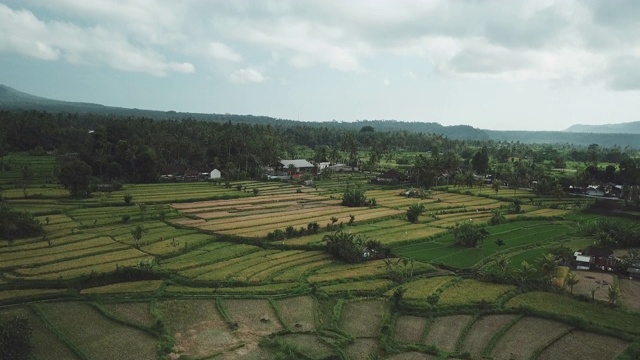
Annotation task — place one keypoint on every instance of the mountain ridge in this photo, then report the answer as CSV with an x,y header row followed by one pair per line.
x,y
11,99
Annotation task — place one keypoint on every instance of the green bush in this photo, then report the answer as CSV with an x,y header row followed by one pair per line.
x,y
17,224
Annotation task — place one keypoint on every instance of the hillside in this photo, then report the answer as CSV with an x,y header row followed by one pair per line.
x,y
11,99
623,128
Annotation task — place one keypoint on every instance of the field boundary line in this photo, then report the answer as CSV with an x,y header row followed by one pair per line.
x,y
61,335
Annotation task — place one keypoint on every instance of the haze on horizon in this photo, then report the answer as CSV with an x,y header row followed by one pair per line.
x,y
517,65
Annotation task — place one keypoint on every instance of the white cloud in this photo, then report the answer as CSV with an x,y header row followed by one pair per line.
x,y
247,75
218,50
96,45
550,40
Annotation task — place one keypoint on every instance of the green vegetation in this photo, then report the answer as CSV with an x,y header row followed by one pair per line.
x,y
15,336
116,242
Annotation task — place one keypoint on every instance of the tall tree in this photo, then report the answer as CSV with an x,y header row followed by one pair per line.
x,y
75,176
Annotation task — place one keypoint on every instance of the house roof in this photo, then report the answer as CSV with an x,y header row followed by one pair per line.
x,y
298,163
633,270
582,258
600,251
392,174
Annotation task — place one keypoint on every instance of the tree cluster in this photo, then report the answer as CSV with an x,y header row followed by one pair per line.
x,y
469,235
15,336
354,248
17,224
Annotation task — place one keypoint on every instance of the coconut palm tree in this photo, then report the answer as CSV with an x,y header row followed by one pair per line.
x,y
571,281
548,265
614,293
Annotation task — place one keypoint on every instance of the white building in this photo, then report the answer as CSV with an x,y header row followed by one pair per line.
x,y
215,174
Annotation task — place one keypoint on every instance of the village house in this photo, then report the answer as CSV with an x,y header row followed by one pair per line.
x,y
392,176
215,174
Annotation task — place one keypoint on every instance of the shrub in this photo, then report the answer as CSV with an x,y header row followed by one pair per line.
x,y
313,227
354,196
14,339
17,224
126,218
468,235
128,198
414,211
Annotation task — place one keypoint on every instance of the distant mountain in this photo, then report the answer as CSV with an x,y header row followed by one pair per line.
x,y
627,134
623,128
13,99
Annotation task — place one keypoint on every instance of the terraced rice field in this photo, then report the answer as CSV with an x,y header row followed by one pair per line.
x,y
94,334
443,250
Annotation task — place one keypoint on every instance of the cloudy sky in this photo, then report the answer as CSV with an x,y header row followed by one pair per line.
x,y
530,65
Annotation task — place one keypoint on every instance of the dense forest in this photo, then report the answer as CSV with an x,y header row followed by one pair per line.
x,y
140,149
13,100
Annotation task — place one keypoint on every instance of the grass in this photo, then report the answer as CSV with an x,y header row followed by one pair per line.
x,y
472,291
13,295
267,289
563,306
422,288
94,334
444,251
357,287
123,288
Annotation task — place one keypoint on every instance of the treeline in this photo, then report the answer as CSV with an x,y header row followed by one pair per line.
x,y
140,149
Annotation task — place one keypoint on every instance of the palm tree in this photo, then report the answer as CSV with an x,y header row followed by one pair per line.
x,y
495,185
614,293
548,265
571,281
526,271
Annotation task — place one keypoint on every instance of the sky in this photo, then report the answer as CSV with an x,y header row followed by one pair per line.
x,y
501,65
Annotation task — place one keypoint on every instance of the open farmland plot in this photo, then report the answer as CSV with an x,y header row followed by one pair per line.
x,y
298,313
363,318
443,250
412,355
526,337
310,345
354,271
98,336
630,294
45,343
135,312
482,331
472,291
26,294
68,269
198,328
146,286
232,265
236,271
410,329
208,254
258,216
584,345
419,290
276,268
298,272
268,289
588,280
589,312
56,253
361,349
445,331
365,286
253,316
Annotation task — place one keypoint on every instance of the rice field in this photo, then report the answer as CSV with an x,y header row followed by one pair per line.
x,y
525,233
472,292
206,243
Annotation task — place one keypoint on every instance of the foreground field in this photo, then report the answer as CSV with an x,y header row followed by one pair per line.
x,y
205,280
259,328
